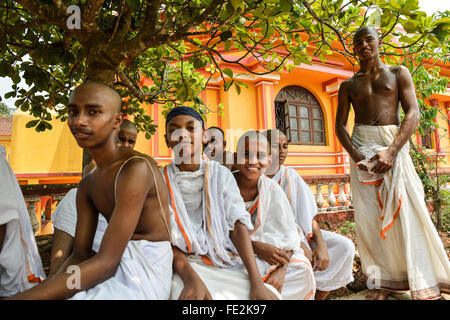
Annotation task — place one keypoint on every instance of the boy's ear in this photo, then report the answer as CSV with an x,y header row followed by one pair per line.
x,y
118,120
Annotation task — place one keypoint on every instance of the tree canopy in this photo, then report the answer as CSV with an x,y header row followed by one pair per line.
x,y
4,110
179,45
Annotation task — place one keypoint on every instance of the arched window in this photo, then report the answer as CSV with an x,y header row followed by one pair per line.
x,y
299,116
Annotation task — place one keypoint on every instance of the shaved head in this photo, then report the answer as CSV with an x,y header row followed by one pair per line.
x,y
111,95
364,30
128,125
273,135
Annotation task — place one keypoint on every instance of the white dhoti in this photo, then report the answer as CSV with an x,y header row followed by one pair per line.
x,y
274,224
340,249
339,273
222,284
20,263
398,244
144,273
65,219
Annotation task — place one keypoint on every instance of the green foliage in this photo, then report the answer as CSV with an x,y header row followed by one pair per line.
x,y
4,110
179,45
348,229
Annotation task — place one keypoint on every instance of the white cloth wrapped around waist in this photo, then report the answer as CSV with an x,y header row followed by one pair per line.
x,y
370,140
144,273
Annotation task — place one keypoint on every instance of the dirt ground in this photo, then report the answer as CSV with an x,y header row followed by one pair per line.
x,y
355,288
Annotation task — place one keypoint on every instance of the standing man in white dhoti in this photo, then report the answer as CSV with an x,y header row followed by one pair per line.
x,y
213,255
332,254
20,263
276,238
134,260
398,244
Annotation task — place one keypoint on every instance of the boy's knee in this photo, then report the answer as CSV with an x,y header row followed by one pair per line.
x,y
349,246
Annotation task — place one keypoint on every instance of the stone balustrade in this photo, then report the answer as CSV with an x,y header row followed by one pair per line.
x,y
337,192
33,193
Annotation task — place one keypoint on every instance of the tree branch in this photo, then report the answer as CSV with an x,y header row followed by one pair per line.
x,y
47,13
318,19
90,12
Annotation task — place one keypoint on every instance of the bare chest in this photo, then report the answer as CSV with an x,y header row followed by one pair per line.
x,y
366,87
101,192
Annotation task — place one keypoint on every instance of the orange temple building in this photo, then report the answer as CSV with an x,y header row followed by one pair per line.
x,y
302,103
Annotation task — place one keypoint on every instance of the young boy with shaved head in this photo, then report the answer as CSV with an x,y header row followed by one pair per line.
x,y
276,237
214,148
64,217
134,260
332,254
127,134
213,255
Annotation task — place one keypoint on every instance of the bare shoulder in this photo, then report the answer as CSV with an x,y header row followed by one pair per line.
x,y
346,83
399,70
85,184
150,160
139,168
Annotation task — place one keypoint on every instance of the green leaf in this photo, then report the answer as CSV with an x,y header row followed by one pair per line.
x,y
32,123
224,36
238,89
237,4
285,5
228,72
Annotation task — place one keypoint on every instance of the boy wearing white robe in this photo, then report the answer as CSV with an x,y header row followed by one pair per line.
x,y
213,256
333,254
20,263
275,237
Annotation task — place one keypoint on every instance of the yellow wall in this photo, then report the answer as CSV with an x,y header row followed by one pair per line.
x,y
45,153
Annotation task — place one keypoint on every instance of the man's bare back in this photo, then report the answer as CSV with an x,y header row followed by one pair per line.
x,y
99,187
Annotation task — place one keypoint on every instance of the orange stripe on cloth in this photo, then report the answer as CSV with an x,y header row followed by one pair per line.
x,y
309,237
377,183
269,272
379,201
207,261
30,275
177,219
393,219
253,208
251,211
208,201
301,261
